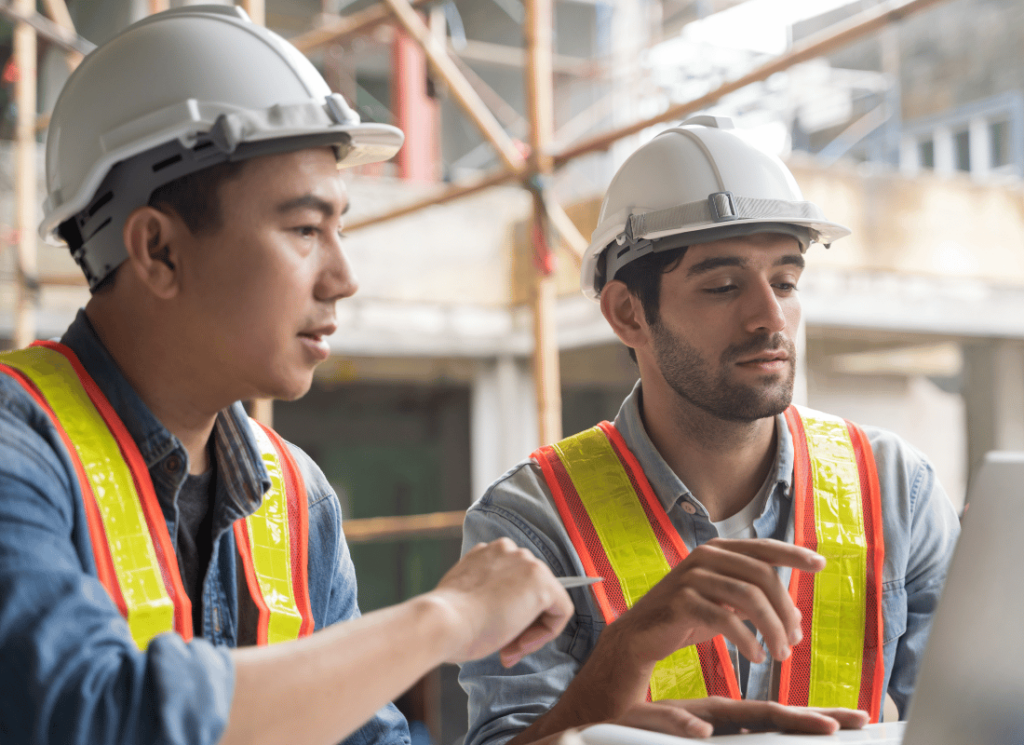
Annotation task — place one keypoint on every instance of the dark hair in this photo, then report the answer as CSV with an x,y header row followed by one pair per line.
x,y
194,198
643,280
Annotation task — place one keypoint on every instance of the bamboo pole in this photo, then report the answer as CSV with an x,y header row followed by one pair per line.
x,y
52,32
565,227
58,12
262,409
449,195
158,6
346,27
460,88
436,525
818,45
540,107
606,140
25,175
257,11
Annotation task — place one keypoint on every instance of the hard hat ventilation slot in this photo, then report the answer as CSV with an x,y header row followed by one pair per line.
x,y
102,225
166,162
99,203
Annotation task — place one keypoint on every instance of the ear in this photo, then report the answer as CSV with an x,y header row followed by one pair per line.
x,y
153,241
625,314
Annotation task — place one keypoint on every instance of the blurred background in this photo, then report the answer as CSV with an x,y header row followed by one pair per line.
x,y
469,343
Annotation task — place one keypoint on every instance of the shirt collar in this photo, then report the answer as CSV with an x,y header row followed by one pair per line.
x,y
666,484
238,457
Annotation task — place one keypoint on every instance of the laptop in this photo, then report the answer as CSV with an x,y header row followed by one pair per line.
x,y
970,688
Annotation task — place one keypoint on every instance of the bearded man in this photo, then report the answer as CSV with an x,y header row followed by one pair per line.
x,y
750,549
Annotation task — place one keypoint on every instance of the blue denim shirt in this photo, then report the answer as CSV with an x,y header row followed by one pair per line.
x,y
919,524
69,670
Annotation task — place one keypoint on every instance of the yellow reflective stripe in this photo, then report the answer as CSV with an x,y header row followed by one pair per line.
x,y
840,589
270,539
150,608
632,548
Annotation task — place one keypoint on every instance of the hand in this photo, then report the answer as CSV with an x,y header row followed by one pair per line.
x,y
718,586
504,598
721,716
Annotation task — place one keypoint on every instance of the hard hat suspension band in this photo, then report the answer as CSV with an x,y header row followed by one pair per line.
x,y
719,207
627,249
94,234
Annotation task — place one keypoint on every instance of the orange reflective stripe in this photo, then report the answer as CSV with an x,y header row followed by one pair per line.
x,y
621,532
837,511
873,676
273,544
118,496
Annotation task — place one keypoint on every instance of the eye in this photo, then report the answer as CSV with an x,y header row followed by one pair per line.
x,y
721,289
307,231
786,286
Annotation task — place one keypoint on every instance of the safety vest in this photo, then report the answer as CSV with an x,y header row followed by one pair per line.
x,y
135,559
622,533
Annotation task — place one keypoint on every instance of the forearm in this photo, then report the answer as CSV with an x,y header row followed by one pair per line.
x,y
608,684
322,688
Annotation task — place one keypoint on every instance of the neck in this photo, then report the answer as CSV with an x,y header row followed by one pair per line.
x,y
723,463
164,378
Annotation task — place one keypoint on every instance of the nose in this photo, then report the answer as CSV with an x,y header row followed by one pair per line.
x,y
337,279
765,309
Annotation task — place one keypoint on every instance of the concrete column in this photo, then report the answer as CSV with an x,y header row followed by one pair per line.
x,y
503,419
981,152
945,159
994,398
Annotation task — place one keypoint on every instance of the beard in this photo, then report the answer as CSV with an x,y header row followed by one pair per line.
x,y
713,389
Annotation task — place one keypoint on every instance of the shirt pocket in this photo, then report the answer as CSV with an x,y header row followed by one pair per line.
x,y
894,611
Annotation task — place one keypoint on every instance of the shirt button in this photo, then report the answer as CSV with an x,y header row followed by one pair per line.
x,y
688,508
172,464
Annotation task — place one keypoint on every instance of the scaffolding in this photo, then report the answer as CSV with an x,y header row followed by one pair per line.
x,y
532,169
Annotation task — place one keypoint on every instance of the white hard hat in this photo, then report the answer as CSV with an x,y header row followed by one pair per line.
x,y
173,94
698,183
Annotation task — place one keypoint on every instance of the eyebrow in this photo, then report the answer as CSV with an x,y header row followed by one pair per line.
x,y
309,201
716,262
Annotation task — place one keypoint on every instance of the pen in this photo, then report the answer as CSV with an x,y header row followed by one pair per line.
x,y
570,582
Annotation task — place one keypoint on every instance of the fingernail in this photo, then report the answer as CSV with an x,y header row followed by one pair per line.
x,y
796,635
511,660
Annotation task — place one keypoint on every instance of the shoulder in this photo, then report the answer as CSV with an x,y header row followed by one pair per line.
x,y
919,520
318,488
30,448
518,505
520,488
904,472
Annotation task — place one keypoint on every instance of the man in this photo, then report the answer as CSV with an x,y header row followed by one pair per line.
x,y
709,504
147,526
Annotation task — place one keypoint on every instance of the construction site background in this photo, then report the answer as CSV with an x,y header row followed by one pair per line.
x,y
912,134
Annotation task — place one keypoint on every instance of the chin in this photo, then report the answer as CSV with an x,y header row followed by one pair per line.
x,y
287,388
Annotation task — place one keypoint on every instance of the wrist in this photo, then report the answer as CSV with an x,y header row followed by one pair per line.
x,y
443,623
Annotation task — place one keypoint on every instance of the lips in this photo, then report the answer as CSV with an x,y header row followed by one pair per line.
x,y
778,355
318,333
